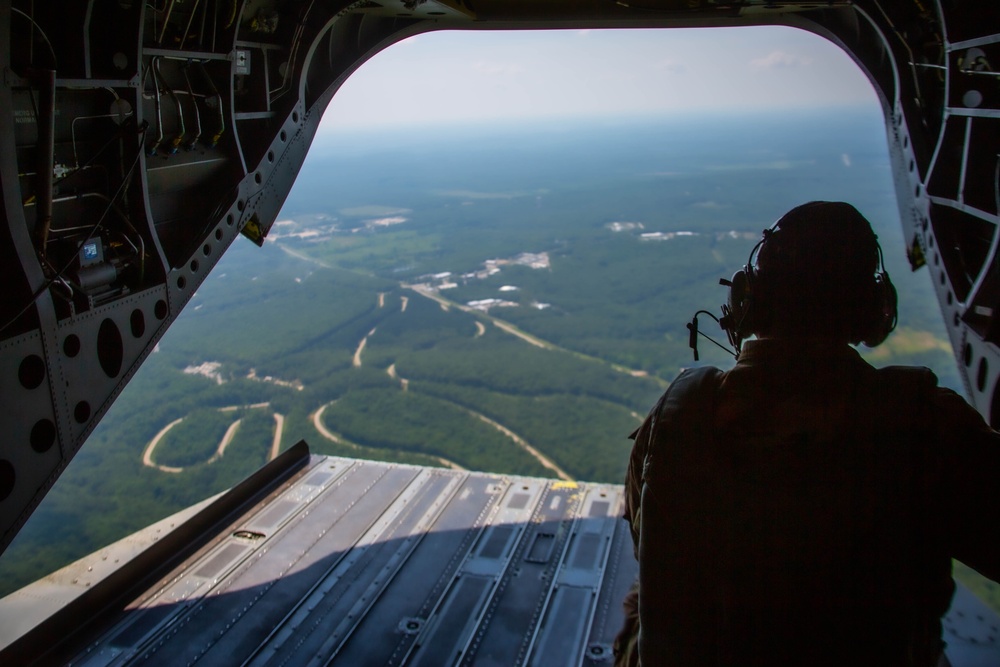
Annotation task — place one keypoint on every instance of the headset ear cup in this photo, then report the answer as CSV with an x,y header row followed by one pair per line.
x,y
884,315
740,311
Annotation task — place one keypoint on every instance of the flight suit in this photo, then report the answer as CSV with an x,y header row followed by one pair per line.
x,y
803,509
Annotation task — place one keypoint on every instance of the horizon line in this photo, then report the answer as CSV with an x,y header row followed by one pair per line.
x,y
331,126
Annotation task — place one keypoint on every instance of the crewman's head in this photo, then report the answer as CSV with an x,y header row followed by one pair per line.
x,y
819,275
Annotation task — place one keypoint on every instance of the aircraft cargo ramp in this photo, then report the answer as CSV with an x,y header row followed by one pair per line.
x,y
323,560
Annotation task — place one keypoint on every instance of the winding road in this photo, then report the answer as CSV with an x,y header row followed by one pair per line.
x,y
279,425
522,443
303,256
361,348
220,451
507,327
147,455
226,439
317,420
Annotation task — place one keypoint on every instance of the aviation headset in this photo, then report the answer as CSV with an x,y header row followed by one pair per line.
x,y
873,319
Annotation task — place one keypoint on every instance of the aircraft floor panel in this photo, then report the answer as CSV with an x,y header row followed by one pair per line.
x,y
362,562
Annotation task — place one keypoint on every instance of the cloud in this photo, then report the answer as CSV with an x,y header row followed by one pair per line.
x,y
780,60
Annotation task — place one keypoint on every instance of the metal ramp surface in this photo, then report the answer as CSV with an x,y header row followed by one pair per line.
x,y
365,563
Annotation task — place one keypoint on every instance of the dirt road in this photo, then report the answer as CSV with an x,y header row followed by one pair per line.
x,y
279,425
523,444
361,348
226,439
147,455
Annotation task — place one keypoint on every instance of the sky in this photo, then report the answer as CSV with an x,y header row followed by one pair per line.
x,y
451,76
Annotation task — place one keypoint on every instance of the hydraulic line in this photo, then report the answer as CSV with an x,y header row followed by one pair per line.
x,y
46,155
31,50
194,103
215,24
187,28
201,30
166,20
180,110
159,113
218,99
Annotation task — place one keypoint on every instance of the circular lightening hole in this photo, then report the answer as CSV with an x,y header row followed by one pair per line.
x,y
137,323
110,349
81,413
160,309
258,179
218,234
206,250
270,156
181,282
194,266
71,346
283,136
43,435
31,372
229,219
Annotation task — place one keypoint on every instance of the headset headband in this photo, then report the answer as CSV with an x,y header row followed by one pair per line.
x,y
872,321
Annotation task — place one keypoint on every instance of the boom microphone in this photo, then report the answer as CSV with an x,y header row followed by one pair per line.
x,y
693,335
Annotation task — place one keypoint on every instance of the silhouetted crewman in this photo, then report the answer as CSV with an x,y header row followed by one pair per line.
x,y
803,508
